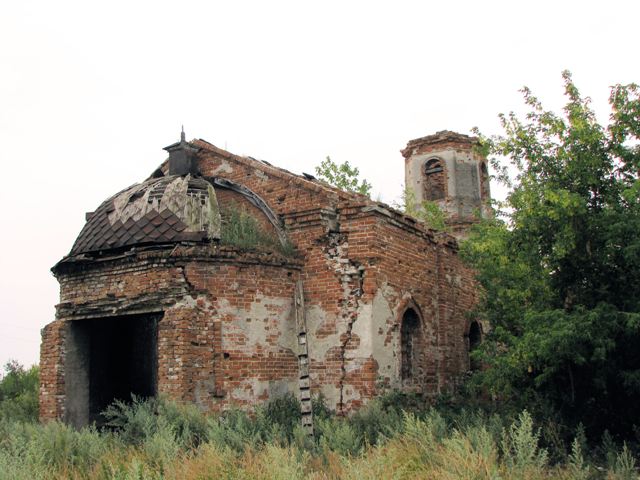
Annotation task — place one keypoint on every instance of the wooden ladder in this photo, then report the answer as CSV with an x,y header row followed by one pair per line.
x,y
303,362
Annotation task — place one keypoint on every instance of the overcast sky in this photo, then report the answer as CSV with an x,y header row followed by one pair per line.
x,y
90,92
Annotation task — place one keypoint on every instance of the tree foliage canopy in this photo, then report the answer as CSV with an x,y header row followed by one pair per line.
x,y
560,266
343,176
19,392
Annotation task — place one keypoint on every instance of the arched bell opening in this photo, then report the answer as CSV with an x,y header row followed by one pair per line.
x,y
434,180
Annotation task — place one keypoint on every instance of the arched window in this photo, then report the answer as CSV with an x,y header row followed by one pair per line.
x,y
434,180
409,343
475,338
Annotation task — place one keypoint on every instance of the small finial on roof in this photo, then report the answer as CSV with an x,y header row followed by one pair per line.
x,y
182,159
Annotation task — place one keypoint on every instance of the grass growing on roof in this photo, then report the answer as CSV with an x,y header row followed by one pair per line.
x,y
243,230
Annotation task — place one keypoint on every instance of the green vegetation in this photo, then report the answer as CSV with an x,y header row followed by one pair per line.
x,y
157,439
243,230
559,391
343,176
427,212
560,266
346,177
19,393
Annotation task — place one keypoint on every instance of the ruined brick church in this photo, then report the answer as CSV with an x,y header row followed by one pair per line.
x,y
225,281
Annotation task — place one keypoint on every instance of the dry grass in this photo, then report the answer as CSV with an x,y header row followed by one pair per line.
x,y
166,441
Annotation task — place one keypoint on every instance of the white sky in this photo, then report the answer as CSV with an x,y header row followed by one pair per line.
x,y
90,92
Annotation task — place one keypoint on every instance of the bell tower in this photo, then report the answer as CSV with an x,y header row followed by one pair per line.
x,y
448,169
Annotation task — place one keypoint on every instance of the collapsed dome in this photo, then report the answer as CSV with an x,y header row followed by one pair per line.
x,y
168,210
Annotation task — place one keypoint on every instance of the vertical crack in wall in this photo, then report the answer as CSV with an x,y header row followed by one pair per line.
x,y
195,330
351,276
190,287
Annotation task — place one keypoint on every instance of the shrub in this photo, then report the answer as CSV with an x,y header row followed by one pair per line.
x,y
275,463
337,435
425,433
134,422
278,419
235,430
520,448
57,446
19,393
624,467
577,465
162,447
376,421
187,422
157,438
468,454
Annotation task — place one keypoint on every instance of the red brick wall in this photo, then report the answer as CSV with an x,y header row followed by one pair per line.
x,y
226,337
52,384
371,261
430,276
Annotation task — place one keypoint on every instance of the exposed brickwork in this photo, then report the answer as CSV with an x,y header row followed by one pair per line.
x,y
52,371
227,330
449,168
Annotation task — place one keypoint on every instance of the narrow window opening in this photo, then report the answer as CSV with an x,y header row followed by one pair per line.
x,y
409,341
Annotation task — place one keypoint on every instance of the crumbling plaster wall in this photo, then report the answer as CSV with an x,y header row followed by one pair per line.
x,y
227,334
226,337
253,305
466,188
361,269
341,366
400,266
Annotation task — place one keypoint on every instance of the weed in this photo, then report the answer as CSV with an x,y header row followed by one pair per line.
x,y
243,230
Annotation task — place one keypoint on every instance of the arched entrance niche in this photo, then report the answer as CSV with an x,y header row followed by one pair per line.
x,y
412,354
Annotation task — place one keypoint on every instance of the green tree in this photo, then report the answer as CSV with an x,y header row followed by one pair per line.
x,y
19,393
343,176
426,211
560,266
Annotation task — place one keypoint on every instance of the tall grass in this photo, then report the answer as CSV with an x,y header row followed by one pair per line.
x,y
158,439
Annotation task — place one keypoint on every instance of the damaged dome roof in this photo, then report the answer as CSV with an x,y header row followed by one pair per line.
x,y
179,204
169,209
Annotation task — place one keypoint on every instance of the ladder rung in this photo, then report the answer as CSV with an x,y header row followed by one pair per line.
x,y
304,382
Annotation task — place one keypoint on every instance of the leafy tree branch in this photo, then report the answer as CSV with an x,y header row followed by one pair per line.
x,y
561,273
343,176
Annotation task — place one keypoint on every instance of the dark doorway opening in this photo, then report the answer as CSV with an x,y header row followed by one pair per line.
x,y
109,359
475,338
